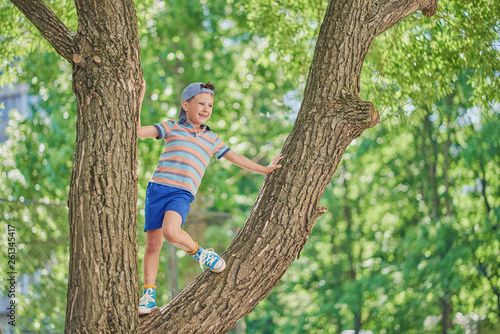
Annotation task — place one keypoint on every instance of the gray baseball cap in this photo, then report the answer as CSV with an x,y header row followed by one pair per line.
x,y
190,91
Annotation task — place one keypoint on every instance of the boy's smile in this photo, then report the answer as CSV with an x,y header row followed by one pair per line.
x,y
199,109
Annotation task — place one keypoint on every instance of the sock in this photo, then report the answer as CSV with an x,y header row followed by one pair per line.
x,y
197,247
144,287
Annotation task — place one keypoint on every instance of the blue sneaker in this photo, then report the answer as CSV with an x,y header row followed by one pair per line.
x,y
210,259
148,300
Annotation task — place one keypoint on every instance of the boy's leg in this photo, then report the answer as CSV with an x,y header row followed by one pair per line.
x,y
174,234
154,242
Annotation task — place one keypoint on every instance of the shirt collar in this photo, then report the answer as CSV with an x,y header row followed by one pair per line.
x,y
188,123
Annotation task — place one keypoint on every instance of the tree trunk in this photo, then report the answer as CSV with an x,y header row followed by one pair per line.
x,y
103,274
354,259
431,163
447,314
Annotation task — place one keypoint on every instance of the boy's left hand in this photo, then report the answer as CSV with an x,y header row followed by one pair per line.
x,y
274,164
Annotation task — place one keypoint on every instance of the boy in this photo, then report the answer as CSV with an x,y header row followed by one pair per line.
x,y
189,146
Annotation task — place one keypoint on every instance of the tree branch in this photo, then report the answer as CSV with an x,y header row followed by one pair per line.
x,y
49,25
389,12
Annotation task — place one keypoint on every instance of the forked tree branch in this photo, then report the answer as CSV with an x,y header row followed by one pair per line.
x,y
389,12
49,25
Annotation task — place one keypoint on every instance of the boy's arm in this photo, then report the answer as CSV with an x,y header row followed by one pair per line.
x,y
244,162
149,131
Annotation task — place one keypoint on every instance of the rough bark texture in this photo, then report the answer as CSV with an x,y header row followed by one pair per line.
x,y
103,274
102,294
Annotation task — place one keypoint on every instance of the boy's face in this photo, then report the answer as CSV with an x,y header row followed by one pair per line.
x,y
199,109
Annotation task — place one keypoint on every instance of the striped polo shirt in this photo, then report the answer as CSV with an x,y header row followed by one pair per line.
x,y
187,154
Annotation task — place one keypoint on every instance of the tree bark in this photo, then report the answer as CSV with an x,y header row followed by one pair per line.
x,y
103,274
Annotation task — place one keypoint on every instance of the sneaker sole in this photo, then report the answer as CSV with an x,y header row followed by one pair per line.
x,y
221,268
146,310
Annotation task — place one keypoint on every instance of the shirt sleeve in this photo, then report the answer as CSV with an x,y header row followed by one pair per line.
x,y
220,148
164,129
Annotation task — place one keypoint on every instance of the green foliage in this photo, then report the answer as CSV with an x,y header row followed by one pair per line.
x,y
409,66
19,38
420,60
291,28
35,177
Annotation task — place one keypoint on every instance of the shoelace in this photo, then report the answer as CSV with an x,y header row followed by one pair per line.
x,y
146,299
205,255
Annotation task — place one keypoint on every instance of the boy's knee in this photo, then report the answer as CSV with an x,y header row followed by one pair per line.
x,y
171,235
154,245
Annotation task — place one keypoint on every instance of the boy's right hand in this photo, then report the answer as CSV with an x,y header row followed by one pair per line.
x,y
274,164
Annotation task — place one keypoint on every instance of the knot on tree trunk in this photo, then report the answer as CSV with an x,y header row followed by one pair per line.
x,y
431,9
97,60
80,61
359,113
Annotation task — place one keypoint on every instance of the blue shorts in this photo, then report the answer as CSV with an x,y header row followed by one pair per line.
x,y
160,199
